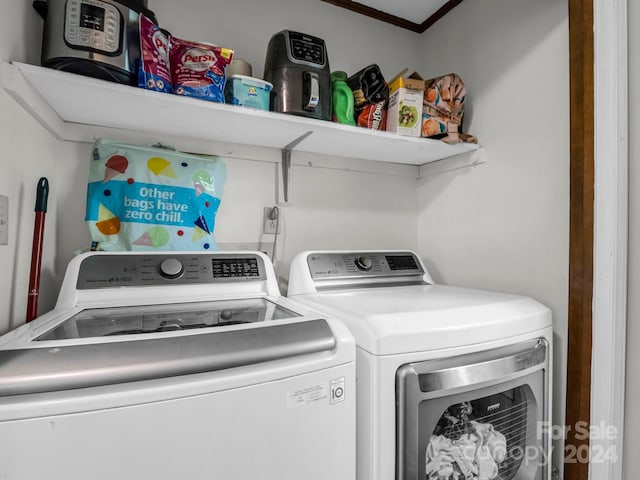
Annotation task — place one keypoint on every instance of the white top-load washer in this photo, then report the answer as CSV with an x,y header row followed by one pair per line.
x,y
452,382
176,366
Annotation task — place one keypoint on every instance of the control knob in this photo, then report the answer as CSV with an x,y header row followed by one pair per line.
x,y
171,268
363,263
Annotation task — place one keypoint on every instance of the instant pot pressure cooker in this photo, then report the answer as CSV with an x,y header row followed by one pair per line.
x,y
98,38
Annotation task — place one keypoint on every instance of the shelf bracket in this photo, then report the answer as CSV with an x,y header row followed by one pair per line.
x,y
286,163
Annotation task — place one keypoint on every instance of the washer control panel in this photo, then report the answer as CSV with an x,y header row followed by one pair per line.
x,y
325,266
109,271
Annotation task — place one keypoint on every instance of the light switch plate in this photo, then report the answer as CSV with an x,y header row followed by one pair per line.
x,y
4,220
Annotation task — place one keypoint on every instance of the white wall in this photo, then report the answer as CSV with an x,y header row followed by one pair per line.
x,y
26,153
353,41
336,203
503,224
632,398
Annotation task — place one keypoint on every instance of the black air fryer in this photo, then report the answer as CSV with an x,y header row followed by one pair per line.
x,y
298,67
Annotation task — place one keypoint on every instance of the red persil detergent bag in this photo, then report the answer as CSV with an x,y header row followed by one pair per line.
x,y
154,72
198,69
152,198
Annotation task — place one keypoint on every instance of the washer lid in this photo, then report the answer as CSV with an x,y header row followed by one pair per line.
x,y
149,319
140,358
403,319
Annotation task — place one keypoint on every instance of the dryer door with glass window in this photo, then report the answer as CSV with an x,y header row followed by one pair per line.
x,y
475,416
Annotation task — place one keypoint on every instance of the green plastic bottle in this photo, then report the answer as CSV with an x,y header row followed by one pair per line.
x,y
342,96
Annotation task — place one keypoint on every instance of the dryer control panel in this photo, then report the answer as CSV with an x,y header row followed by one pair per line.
x,y
340,265
109,271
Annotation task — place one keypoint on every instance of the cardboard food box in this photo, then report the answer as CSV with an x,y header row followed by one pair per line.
x,y
404,114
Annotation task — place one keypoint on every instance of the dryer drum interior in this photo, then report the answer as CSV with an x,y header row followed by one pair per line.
x,y
475,416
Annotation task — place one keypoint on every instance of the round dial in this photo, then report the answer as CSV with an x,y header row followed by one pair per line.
x,y
171,268
363,263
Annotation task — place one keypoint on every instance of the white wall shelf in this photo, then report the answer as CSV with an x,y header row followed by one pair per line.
x,y
65,104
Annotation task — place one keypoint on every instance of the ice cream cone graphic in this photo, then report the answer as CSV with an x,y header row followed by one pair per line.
x,y
155,237
108,223
201,182
199,188
114,166
161,167
200,229
198,234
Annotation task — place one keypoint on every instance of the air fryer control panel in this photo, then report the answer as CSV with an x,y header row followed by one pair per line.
x,y
109,271
324,266
306,49
93,25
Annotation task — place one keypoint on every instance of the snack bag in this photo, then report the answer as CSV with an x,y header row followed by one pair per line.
x,y
371,97
154,72
198,69
443,107
152,198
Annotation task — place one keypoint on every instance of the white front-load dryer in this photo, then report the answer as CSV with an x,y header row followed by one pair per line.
x,y
452,383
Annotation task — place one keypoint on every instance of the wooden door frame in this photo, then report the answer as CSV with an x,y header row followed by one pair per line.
x,y
581,197
598,235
